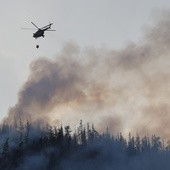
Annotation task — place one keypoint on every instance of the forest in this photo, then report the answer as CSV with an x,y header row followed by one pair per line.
x,y
26,146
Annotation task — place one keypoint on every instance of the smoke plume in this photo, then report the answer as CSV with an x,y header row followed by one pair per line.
x,y
125,89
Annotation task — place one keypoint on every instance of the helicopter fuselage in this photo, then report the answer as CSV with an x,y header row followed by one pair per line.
x,y
39,33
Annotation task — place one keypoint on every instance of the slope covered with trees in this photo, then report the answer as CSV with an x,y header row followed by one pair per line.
x,y
25,146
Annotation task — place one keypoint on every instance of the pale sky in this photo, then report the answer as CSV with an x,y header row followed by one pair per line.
x,y
109,23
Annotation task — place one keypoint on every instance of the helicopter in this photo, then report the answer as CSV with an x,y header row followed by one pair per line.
x,y
40,32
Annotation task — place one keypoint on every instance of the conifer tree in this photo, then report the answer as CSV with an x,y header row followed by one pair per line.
x,y
60,137
21,131
156,143
145,144
138,143
27,131
67,136
5,151
131,145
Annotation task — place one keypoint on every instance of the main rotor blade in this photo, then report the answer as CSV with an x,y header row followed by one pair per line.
x,y
28,28
34,25
49,25
50,30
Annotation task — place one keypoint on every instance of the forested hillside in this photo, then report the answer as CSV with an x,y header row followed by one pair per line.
x,y
31,147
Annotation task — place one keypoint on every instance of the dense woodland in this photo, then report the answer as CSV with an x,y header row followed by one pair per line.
x,y
25,146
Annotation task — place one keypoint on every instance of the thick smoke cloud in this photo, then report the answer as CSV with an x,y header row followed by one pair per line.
x,y
127,89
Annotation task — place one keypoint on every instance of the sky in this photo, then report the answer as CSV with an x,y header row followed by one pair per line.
x,y
92,23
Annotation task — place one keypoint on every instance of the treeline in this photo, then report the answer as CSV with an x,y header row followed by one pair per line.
x,y
26,146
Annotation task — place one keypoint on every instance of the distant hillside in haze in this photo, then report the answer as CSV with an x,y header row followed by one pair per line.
x,y
27,146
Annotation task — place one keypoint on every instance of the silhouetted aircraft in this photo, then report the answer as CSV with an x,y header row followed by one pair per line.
x,y
40,32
